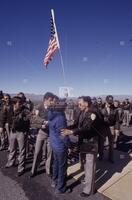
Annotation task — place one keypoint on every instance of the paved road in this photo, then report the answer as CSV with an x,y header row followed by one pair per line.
x,y
24,188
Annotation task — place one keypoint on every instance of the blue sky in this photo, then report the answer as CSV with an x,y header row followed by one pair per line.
x,y
95,38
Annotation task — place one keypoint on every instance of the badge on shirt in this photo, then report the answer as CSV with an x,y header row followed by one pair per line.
x,y
93,116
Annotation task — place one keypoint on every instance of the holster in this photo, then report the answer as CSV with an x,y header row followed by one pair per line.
x,y
89,146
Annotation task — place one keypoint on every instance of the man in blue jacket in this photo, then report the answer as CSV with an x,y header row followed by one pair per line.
x,y
59,144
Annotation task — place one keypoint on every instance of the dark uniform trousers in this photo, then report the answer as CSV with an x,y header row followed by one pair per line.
x,y
19,138
108,136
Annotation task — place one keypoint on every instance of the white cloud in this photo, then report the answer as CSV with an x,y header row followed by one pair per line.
x,y
9,43
106,80
122,43
25,81
85,59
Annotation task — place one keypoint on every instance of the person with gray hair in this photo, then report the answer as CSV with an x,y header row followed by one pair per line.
x,y
88,129
42,146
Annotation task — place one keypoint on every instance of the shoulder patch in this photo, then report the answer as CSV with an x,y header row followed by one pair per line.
x,y
93,116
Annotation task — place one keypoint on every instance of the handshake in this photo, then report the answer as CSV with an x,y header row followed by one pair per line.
x,y
66,132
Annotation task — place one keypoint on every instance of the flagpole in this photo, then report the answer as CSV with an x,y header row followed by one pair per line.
x,y
62,65
56,34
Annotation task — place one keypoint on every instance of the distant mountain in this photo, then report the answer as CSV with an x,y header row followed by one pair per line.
x,y
33,97
117,97
39,97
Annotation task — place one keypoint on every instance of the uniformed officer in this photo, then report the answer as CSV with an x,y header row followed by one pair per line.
x,y
88,129
8,112
2,123
42,147
19,129
111,119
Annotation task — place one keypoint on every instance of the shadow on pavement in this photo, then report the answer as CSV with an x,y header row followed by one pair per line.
x,y
124,143
39,187
105,170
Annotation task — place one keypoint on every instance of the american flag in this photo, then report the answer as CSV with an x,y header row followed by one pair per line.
x,y
53,42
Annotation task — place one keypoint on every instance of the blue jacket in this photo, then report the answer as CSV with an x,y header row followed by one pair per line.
x,y
57,121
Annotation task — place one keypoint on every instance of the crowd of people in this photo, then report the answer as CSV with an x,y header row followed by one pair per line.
x,y
45,131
